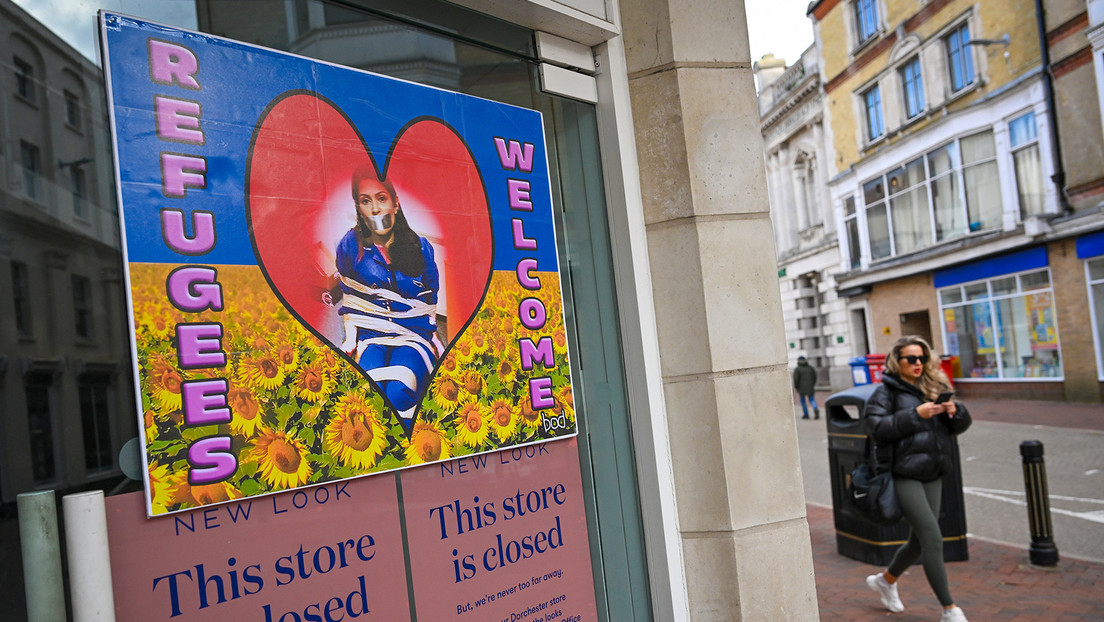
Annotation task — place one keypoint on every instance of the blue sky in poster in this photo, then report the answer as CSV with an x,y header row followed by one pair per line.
x,y
237,83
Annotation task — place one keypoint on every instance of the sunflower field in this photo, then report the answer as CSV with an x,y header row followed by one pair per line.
x,y
303,413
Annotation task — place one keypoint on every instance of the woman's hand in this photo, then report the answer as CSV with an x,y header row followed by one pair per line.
x,y
927,410
950,408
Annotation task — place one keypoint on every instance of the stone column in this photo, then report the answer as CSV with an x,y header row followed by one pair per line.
x,y
740,502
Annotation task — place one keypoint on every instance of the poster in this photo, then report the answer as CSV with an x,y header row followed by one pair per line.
x,y
331,273
488,537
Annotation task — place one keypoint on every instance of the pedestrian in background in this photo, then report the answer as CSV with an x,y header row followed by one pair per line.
x,y
913,421
804,382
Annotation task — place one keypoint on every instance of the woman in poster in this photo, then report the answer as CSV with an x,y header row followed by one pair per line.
x,y
386,285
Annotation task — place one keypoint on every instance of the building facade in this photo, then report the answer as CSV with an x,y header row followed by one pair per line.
x,y
969,191
791,111
667,250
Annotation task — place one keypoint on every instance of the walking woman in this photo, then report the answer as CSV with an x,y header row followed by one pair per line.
x,y
912,428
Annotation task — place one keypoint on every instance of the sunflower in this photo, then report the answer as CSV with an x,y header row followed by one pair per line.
x,y
503,421
167,383
531,418
243,403
445,391
559,340
472,382
566,401
264,372
464,352
159,325
283,459
479,342
472,425
206,494
161,487
312,383
427,444
355,435
448,362
287,356
506,372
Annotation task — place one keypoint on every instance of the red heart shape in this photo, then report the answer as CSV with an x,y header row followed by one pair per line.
x,y
299,204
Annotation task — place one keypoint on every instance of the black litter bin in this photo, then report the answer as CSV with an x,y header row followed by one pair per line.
x,y
857,537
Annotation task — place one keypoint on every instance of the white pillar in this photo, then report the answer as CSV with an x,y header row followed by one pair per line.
x,y
38,539
89,557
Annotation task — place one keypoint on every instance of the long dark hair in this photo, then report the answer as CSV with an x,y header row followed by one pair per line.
x,y
406,247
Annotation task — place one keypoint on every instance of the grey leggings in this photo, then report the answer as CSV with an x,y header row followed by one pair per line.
x,y
920,505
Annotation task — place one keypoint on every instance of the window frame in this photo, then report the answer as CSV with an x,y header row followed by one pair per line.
x,y
24,79
82,307
30,160
101,432
957,46
867,21
912,88
72,110
1096,306
1031,143
21,299
874,91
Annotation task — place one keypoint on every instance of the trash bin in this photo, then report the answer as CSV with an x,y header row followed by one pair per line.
x,y
857,537
860,373
876,364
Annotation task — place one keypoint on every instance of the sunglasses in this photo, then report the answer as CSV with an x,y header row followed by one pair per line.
x,y
913,359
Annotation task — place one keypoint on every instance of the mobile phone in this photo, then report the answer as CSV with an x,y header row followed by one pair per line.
x,y
944,396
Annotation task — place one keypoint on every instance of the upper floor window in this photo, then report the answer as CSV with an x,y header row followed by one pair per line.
x,y
866,18
913,85
72,110
872,102
24,79
1024,138
76,177
82,306
21,298
28,155
851,223
960,60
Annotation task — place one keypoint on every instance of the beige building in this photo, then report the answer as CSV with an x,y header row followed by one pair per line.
x,y
969,191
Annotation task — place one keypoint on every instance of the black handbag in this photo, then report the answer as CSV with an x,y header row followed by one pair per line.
x,y
872,493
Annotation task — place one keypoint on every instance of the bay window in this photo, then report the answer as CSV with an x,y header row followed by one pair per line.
x,y
1024,140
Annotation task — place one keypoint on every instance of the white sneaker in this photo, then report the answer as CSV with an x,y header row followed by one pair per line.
x,y
954,614
888,593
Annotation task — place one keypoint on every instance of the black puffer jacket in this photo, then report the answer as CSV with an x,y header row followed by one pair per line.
x,y
905,443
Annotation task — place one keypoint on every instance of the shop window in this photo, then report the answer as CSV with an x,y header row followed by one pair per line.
x,y
866,19
1024,139
960,61
1003,327
872,104
24,79
72,110
1094,271
913,85
21,298
32,167
38,387
82,306
96,422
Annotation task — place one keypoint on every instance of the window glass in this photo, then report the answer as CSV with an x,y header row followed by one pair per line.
x,y
873,191
1002,286
72,110
96,424
982,181
853,243
943,159
21,298
978,147
40,427
1022,130
950,295
1028,164
913,85
877,224
28,155
82,306
1096,270
976,291
1035,280
960,61
873,102
24,79
866,16
911,220
849,206
947,203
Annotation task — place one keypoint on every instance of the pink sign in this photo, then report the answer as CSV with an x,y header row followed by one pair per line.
x,y
501,537
488,537
325,553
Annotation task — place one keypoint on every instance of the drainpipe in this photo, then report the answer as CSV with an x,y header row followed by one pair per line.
x,y
1059,176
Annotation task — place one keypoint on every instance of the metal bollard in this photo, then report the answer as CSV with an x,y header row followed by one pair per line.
x,y
38,537
1043,551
